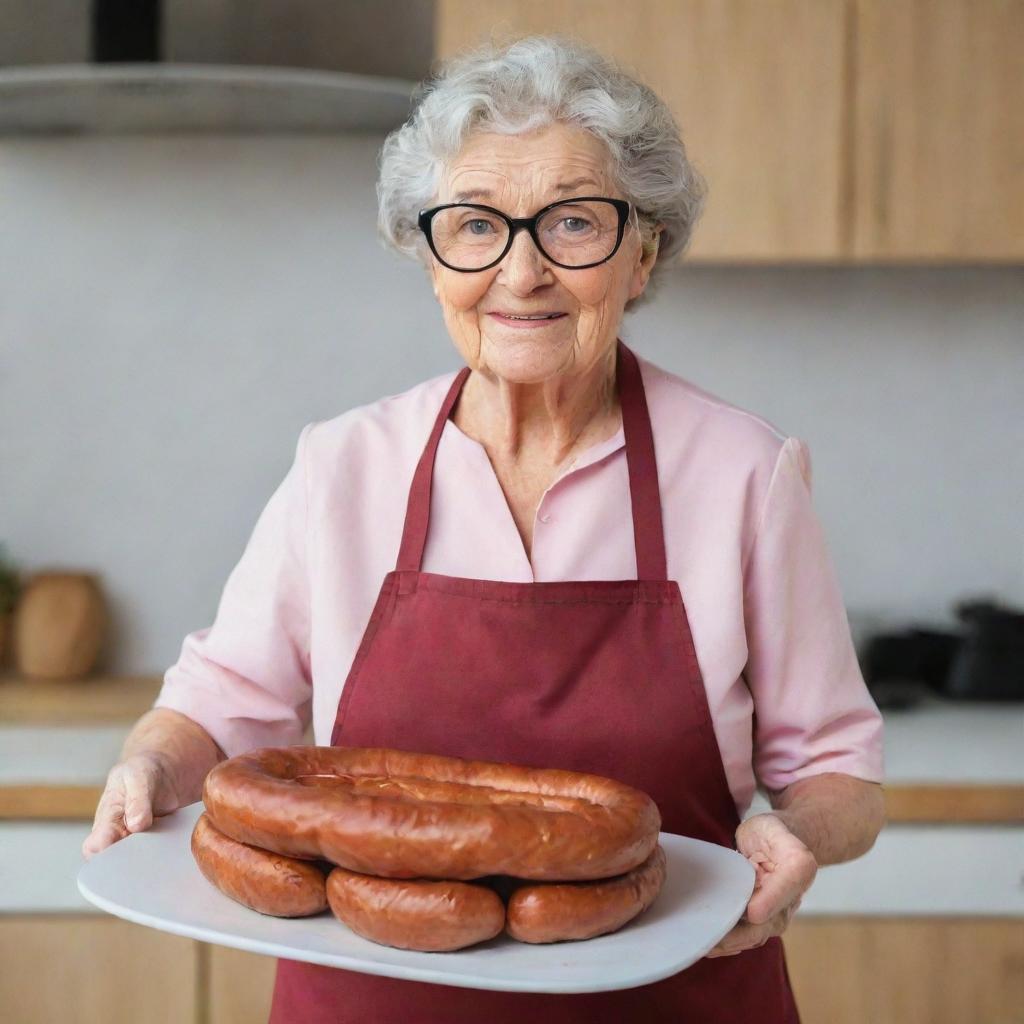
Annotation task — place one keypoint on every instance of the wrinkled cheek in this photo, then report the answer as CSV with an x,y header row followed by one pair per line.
x,y
459,299
596,316
464,327
590,327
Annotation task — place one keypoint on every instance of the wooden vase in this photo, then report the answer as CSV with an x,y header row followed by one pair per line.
x,y
59,623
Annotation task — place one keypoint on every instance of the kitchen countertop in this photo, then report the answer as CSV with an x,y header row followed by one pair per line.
x,y
937,743
945,741
913,869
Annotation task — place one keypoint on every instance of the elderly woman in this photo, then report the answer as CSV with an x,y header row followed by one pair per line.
x,y
561,555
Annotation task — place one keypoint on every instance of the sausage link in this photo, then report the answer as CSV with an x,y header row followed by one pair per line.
x,y
426,915
263,881
553,912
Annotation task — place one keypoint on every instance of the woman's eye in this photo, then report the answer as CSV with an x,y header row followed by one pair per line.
x,y
472,225
575,225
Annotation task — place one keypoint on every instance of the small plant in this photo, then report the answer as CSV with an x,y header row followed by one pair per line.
x,y
9,583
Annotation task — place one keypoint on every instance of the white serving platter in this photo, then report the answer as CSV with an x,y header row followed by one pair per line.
x,y
151,878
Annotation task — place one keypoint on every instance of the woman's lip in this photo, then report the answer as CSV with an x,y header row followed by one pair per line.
x,y
525,323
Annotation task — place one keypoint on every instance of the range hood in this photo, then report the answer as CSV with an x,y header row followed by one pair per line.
x,y
96,98
235,66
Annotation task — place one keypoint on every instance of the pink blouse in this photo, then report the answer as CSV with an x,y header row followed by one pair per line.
x,y
786,695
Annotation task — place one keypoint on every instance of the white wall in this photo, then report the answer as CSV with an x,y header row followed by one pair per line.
x,y
174,310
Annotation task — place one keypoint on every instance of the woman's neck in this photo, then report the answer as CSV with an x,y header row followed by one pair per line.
x,y
550,419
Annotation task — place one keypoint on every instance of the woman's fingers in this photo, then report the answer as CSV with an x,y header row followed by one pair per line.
x,y
782,882
139,786
743,936
126,805
101,837
108,824
750,936
785,866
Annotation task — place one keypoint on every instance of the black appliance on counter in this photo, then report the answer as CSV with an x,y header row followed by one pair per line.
x,y
983,661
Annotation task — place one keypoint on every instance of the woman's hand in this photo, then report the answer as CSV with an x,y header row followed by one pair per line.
x,y
138,788
163,764
785,870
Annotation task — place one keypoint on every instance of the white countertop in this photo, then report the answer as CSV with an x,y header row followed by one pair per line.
x,y
59,755
955,743
937,742
924,870
911,870
934,743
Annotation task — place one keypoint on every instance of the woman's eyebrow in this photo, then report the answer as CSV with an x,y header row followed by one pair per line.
x,y
483,193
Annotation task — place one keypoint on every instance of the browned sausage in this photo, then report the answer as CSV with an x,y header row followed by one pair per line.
x,y
420,914
396,814
263,881
582,910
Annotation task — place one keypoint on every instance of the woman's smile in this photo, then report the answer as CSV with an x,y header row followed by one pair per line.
x,y
527,321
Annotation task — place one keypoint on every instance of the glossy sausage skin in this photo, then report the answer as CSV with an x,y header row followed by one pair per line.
x,y
396,814
426,915
263,881
583,910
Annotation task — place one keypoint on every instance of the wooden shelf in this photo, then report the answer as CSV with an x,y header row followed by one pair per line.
x,y
905,805
87,701
49,802
951,803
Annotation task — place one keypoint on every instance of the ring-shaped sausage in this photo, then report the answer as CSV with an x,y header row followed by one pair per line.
x,y
396,814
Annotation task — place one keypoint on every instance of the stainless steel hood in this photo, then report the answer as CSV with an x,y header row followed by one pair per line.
x,y
98,98
235,66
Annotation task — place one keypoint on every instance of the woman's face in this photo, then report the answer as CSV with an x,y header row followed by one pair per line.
x,y
519,175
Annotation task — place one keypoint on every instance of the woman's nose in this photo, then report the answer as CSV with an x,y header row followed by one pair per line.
x,y
524,266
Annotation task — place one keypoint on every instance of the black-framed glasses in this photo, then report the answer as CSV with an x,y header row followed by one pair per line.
x,y
571,233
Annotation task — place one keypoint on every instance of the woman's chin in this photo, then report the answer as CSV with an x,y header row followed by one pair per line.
x,y
527,360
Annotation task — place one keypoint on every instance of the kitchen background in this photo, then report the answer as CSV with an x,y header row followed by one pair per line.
x,y
176,305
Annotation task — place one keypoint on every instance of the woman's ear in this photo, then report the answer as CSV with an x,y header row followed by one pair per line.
x,y
644,266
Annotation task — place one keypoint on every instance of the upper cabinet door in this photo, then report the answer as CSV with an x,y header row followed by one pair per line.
x,y
756,86
939,131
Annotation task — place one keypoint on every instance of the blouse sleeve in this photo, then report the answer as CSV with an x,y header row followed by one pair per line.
x,y
246,678
813,713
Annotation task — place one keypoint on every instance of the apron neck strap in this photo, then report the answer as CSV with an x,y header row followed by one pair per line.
x,y
417,511
644,493
645,498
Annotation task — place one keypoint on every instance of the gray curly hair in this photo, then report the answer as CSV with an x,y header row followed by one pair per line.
x,y
526,85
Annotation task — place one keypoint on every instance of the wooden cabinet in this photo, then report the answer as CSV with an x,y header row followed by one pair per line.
x,y
86,968
840,131
81,969
939,134
239,985
760,117
907,970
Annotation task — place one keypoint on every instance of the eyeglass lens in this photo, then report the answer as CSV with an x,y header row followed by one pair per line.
x,y
573,234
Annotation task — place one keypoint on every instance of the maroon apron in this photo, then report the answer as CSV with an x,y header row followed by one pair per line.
x,y
591,676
